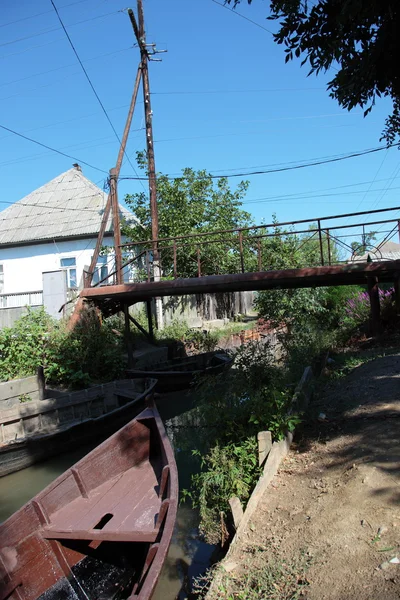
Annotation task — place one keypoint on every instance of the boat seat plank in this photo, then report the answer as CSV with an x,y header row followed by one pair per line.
x,y
129,508
139,535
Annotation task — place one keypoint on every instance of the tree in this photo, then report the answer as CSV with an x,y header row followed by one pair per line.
x,y
191,204
361,37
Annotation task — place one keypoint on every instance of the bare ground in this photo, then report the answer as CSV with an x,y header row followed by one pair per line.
x,y
336,498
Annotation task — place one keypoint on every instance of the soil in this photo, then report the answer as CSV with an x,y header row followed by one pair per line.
x,y
336,497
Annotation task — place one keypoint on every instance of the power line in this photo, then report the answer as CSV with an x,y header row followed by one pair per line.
x,y
93,88
63,67
38,155
246,91
300,195
28,37
290,198
243,17
79,160
41,14
30,48
373,181
291,168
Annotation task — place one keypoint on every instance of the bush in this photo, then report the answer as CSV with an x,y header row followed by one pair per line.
x,y
229,470
91,353
233,408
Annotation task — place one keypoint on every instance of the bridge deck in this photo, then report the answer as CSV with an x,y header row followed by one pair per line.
x,y
346,274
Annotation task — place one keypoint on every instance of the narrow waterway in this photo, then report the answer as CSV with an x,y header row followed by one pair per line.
x,y
188,556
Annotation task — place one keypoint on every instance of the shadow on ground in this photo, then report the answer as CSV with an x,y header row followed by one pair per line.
x,y
363,414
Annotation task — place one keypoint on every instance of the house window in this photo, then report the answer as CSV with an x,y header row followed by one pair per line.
x,y
101,270
69,266
1,279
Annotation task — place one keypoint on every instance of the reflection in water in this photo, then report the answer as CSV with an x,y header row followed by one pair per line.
x,y
188,556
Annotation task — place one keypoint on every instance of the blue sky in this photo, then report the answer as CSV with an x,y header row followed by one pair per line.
x,y
223,100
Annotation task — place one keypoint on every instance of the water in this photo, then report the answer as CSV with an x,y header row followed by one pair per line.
x,y
188,556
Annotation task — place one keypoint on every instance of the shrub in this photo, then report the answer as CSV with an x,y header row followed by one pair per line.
x,y
357,309
229,470
92,352
232,409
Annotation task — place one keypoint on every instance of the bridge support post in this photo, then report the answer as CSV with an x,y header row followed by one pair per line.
x,y
149,320
375,315
128,340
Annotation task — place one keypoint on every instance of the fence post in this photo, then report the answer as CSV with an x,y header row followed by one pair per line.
x,y
321,248
198,262
148,265
175,268
241,250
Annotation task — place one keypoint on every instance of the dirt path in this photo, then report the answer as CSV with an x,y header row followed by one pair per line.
x,y
335,503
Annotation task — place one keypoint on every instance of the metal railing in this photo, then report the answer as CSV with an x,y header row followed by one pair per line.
x,y
323,241
21,299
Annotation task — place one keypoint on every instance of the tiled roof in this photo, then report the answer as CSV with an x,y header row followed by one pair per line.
x,y
68,206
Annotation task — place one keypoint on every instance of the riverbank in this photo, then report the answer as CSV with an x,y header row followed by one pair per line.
x,y
327,526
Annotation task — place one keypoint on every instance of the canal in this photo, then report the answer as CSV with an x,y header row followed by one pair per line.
x,y
188,556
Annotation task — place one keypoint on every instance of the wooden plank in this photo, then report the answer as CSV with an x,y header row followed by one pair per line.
x,y
140,535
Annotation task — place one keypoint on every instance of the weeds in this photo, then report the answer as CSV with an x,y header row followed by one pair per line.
x,y
226,471
260,576
233,408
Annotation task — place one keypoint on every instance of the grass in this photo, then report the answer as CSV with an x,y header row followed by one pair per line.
x,y
259,576
232,328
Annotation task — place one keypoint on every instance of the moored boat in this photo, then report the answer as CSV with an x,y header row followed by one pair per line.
x,y
102,529
181,373
33,431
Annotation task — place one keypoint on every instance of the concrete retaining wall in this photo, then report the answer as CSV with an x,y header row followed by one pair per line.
x,y
8,316
11,391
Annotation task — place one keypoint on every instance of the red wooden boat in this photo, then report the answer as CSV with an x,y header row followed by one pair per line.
x,y
102,529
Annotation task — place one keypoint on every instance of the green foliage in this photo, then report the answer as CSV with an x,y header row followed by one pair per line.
x,y
191,204
226,471
359,37
22,347
233,408
90,353
24,398
262,576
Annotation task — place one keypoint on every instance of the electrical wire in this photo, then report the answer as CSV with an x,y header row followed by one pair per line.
x,y
290,168
243,17
63,67
41,14
79,160
28,37
283,199
40,154
247,91
93,88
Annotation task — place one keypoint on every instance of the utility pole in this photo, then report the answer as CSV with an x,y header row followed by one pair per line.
x,y
145,56
116,224
116,171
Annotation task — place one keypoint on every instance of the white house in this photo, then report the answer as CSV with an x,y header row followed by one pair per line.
x,y
52,229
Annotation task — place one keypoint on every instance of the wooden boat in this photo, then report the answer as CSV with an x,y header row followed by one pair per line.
x,y
180,373
35,430
102,529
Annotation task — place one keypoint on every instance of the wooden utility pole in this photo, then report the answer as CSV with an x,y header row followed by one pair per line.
x,y
116,225
140,34
107,208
